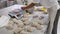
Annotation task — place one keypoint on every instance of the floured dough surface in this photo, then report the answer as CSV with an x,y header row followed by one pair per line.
x,y
28,24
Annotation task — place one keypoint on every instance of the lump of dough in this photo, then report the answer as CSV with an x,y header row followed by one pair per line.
x,y
19,21
28,28
20,25
41,22
23,32
24,19
9,27
17,30
34,24
39,27
15,21
26,23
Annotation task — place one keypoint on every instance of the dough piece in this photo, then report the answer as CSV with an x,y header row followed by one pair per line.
x,y
15,21
20,25
26,23
28,28
9,27
17,30
40,22
23,32
19,21
34,24
24,19
39,27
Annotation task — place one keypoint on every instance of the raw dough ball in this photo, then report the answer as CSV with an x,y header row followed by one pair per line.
x,y
24,19
15,21
19,21
34,24
39,27
20,25
17,30
28,28
9,27
26,23
23,32
41,22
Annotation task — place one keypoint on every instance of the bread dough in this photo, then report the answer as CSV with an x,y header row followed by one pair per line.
x,y
24,19
9,27
34,24
17,30
23,32
26,23
15,21
20,25
41,22
27,14
39,27
28,28
19,21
